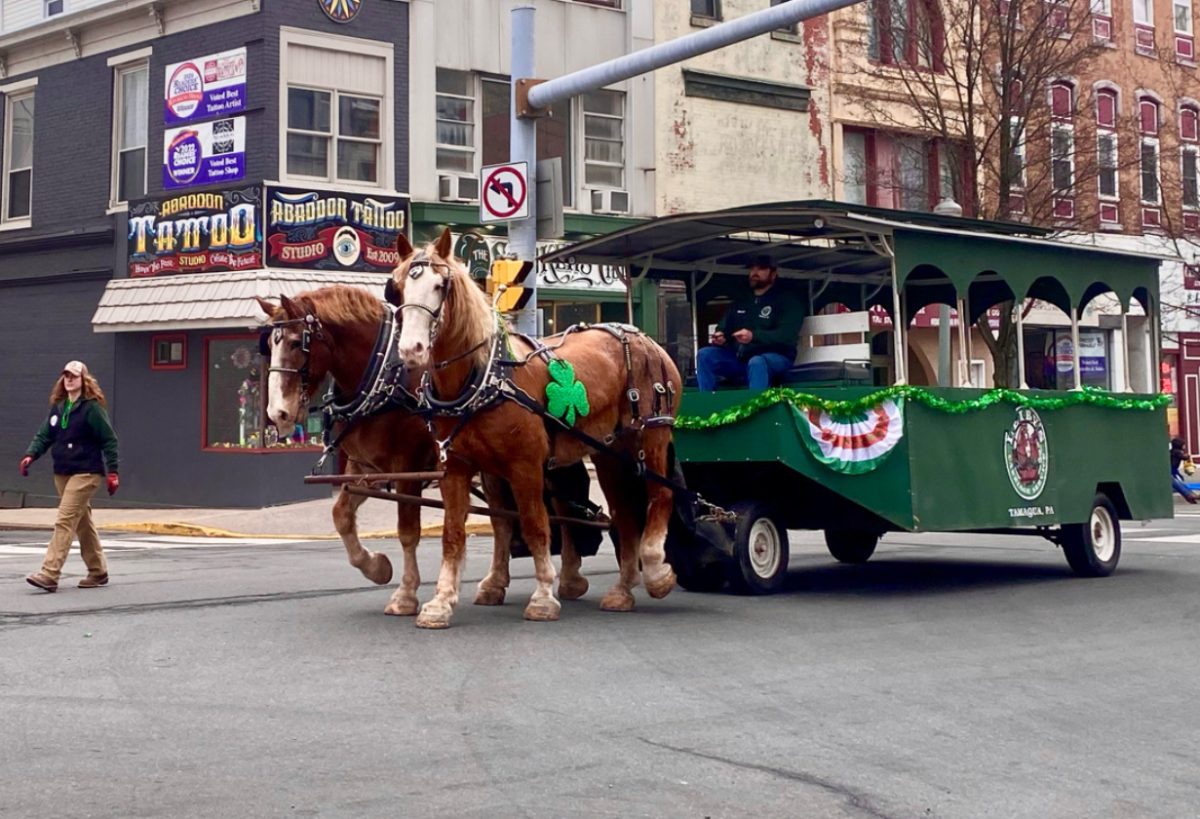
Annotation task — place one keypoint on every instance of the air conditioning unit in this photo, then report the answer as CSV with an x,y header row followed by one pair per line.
x,y
610,201
458,188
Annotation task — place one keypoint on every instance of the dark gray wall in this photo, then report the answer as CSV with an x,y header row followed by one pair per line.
x,y
160,424
52,275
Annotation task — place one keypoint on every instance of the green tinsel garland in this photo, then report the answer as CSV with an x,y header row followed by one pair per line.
x,y
852,409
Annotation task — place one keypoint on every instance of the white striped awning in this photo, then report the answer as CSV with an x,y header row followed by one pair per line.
x,y
209,300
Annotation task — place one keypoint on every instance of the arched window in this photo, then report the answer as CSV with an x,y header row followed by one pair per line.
x,y
1106,154
1062,140
1189,118
1148,126
906,32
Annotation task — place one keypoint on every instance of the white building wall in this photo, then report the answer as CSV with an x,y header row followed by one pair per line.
x,y
475,35
714,153
19,14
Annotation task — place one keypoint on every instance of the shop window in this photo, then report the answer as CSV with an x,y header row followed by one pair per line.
x,y
604,139
168,352
235,391
553,132
18,156
131,107
1050,361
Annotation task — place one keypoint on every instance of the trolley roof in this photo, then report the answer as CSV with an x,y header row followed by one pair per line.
x,y
844,253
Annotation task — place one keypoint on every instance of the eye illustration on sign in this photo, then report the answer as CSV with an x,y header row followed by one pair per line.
x,y
341,11
346,246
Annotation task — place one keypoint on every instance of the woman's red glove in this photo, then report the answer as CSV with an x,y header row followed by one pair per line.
x,y
25,462
114,482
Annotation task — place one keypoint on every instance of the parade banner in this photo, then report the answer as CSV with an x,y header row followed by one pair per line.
x,y
323,230
210,86
196,233
208,153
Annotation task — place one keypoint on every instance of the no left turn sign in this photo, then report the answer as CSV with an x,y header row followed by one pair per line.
x,y
505,192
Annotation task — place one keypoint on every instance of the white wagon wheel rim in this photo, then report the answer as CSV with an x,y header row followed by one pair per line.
x,y
1104,534
765,548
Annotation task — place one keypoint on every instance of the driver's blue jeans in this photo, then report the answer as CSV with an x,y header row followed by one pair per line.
x,y
715,363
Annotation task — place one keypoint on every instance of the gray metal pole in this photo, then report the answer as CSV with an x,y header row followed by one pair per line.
x,y
522,233
944,372
677,50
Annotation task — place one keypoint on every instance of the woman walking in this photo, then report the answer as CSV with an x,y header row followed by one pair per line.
x,y
84,447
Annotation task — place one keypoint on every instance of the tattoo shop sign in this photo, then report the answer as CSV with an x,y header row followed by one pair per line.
x,y
208,153
210,86
196,232
478,252
323,230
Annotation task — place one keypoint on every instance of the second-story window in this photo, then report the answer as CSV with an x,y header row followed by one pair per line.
x,y
1102,20
1189,122
1106,143
1062,137
708,9
1181,12
1143,26
906,32
553,132
1148,121
54,7
455,121
604,139
18,156
131,112
792,29
333,135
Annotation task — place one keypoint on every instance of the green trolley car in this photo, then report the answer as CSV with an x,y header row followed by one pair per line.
x,y
847,444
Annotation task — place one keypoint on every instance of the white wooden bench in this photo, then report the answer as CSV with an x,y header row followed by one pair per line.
x,y
834,324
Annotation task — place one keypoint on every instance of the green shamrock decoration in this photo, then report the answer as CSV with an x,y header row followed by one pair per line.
x,y
565,396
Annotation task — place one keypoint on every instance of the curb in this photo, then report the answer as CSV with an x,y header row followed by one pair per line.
x,y
196,530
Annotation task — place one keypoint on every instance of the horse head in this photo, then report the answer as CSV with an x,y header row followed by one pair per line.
x,y
291,339
421,289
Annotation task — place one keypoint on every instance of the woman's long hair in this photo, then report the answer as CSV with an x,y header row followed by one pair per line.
x,y
90,389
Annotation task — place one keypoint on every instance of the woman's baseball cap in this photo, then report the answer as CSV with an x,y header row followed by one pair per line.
x,y
75,368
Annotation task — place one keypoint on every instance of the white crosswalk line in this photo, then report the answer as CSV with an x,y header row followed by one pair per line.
x,y
148,543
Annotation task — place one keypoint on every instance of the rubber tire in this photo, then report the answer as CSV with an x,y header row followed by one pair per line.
x,y
1079,546
744,578
851,545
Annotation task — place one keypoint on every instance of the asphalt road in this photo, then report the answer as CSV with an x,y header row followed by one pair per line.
x,y
953,676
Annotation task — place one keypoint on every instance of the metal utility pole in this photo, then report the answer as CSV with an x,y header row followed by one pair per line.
x,y
531,97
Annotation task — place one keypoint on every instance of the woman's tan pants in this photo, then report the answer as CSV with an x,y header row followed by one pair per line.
x,y
75,517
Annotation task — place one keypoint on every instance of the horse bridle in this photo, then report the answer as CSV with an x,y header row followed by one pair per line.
x,y
312,329
415,270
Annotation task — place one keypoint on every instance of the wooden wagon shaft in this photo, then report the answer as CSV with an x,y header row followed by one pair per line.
x,y
376,477
475,510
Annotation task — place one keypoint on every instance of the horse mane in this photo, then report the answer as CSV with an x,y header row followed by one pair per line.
x,y
472,319
344,305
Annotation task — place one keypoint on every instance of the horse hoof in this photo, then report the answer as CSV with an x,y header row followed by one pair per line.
x,y
401,608
433,617
660,586
378,569
572,589
490,597
617,600
543,611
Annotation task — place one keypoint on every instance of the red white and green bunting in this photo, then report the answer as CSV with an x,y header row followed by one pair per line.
x,y
853,445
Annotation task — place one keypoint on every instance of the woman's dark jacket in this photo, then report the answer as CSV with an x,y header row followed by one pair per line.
x,y
85,444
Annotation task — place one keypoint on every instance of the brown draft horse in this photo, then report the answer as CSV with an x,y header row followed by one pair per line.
x,y
340,342
449,330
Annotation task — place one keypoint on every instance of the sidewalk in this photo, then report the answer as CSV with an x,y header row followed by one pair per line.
x,y
308,520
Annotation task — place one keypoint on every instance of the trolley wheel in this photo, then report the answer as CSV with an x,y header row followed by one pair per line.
x,y
1094,548
760,550
851,545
